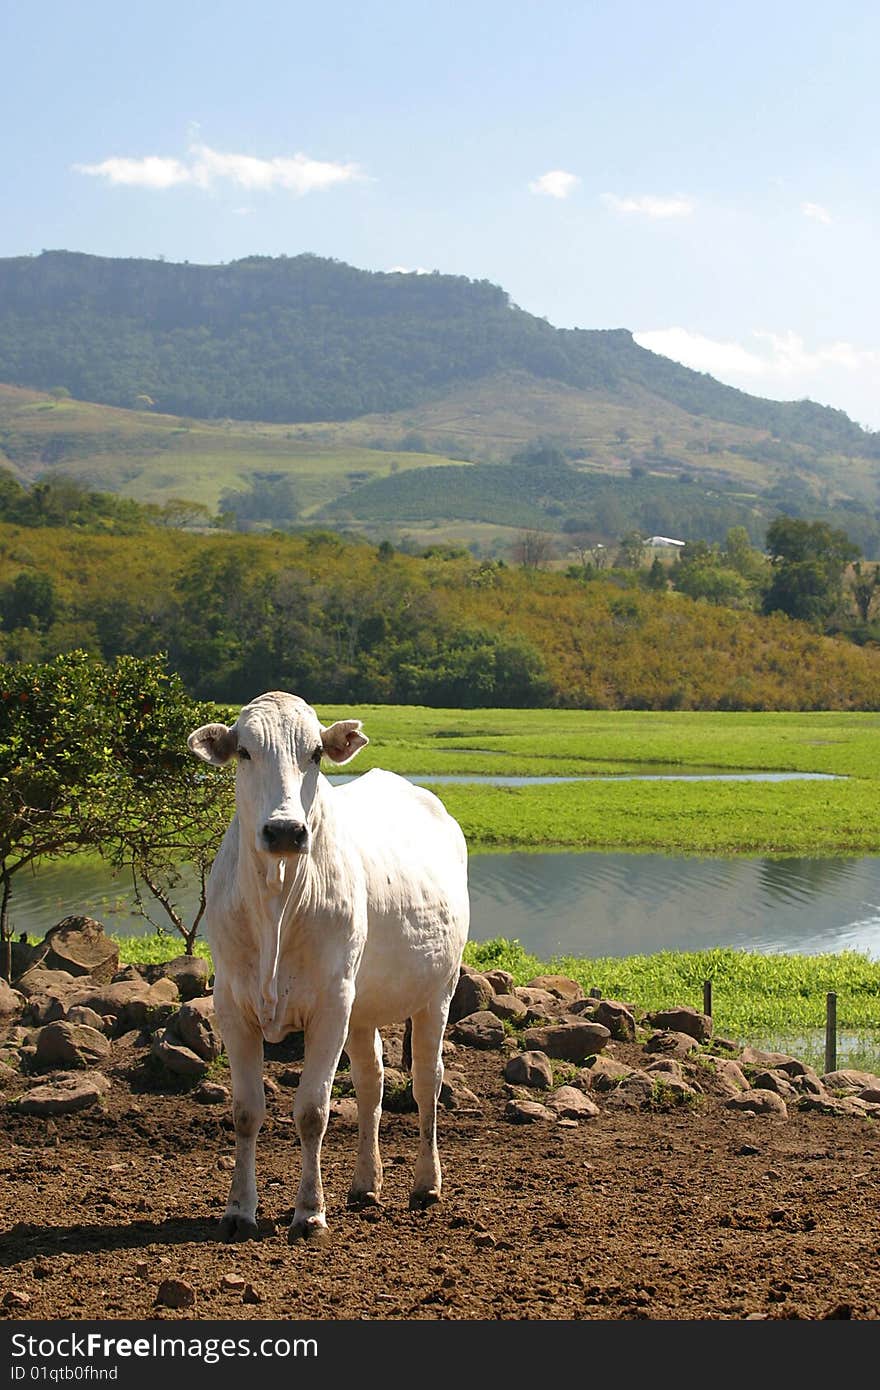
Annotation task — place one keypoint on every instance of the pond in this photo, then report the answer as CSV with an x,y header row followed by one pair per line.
x,y
591,903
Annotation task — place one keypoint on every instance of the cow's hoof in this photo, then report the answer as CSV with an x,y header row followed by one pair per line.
x,y
357,1200
313,1229
424,1198
235,1228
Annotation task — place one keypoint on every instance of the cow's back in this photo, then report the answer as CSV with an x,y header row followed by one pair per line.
x,y
415,866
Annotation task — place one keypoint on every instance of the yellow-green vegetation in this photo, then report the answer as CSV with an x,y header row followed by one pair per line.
x,y
332,619
776,1001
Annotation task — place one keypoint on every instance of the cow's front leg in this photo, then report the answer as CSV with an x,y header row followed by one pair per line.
x,y
244,1048
364,1048
324,1038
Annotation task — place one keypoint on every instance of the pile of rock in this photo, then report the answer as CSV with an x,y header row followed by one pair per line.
x,y
551,1019
73,1015
72,1009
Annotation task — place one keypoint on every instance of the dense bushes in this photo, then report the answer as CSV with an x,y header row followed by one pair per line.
x,y
339,621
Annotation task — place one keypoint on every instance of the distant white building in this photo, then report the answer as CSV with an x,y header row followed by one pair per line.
x,y
664,541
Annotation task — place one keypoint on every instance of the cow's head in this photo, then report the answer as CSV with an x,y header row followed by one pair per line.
x,y
279,743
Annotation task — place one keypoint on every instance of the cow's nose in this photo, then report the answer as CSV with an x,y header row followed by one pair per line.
x,y
285,836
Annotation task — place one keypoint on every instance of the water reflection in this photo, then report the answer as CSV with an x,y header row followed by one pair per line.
x,y
581,904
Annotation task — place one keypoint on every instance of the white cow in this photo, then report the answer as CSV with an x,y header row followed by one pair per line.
x,y
335,911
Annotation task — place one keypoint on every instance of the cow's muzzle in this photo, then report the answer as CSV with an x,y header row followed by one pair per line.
x,y
285,837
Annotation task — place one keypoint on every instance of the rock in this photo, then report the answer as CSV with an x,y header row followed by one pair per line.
x,y
397,1094
233,1281
501,980
79,946
16,1298
70,1045
757,1102
472,994
211,1093
831,1105
570,1042
616,1018
481,1029
132,1003
570,1104
251,1294
176,1293
731,1076
190,974
682,1020
666,1067
175,1057
78,1013
871,1094
455,1095
64,1094
538,998
508,1006
529,1069
345,1110
525,1112
195,1024
604,1073
633,1092
672,1044
11,1001
46,993
755,1057
291,1076
559,985
773,1081
848,1082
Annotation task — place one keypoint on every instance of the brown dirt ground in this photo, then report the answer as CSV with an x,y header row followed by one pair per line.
x,y
690,1213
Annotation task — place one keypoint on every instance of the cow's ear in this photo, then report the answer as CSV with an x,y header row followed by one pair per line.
x,y
213,743
343,739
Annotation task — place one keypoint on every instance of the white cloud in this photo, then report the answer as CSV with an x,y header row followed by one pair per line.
x,y
646,205
781,366
152,172
408,270
556,183
817,212
206,167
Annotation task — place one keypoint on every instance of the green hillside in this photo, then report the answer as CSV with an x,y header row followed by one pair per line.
x,y
305,338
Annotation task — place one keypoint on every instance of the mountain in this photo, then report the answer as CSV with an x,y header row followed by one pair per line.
x,y
303,390
305,338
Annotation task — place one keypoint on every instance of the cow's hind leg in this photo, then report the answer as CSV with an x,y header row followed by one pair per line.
x,y
364,1048
244,1048
427,1078
311,1109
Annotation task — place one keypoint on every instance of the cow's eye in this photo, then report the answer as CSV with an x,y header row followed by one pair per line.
x,y
318,754
244,755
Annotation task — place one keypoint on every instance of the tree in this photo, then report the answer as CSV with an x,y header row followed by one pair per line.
x,y
168,817
863,586
95,757
56,767
533,550
657,577
631,551
809,560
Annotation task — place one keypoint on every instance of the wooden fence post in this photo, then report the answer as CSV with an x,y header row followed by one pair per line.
x,y
707,998
831,1032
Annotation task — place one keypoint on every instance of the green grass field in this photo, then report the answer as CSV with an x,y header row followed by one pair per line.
x,y
814,817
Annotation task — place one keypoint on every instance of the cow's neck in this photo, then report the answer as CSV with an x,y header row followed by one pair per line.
x,y
274,906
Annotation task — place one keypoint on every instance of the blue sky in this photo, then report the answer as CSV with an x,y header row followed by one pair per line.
x,y
703,174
